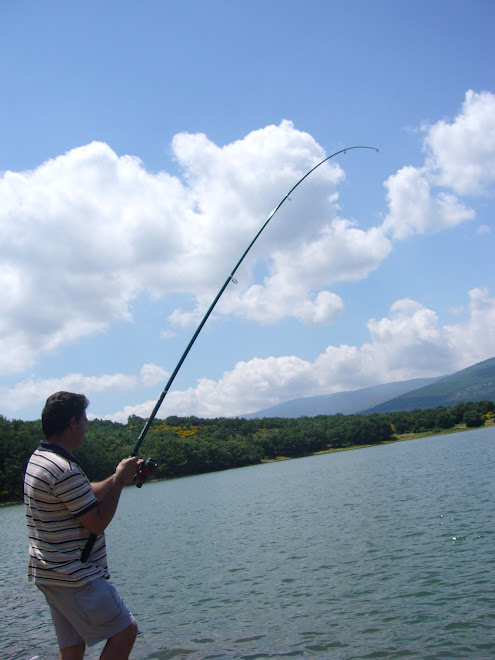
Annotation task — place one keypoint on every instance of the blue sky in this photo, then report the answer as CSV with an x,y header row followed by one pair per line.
x,y
144,144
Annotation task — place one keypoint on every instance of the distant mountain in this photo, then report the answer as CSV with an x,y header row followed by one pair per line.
x,y
476,383
341,402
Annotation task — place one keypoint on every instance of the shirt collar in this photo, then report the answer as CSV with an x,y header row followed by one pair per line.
x,y
57,449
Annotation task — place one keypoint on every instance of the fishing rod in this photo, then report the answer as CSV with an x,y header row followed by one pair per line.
x,y
146,468
229,279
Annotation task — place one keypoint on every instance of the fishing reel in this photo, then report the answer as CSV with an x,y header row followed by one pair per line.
x,y
144,470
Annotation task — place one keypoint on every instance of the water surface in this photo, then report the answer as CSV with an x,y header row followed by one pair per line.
x,y
382,552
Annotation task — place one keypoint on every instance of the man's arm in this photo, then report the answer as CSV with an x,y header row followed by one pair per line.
x,y
108,494
101,488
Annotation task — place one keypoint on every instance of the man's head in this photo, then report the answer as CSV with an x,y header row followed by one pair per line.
x,y
62,411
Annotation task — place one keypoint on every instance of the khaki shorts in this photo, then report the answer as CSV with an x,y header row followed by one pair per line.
x,y
86,614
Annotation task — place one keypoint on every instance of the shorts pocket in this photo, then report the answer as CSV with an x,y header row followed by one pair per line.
x,y
97,603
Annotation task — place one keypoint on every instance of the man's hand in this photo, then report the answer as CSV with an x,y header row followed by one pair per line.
x,y
126,469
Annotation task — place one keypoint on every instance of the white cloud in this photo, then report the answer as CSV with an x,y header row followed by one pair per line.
x,y
484,230
460,157
340,252
461,153
85,233
413,209
151,374
408,343
36,390
475,337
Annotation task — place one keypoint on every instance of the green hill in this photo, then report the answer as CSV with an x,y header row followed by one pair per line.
x,y
476,383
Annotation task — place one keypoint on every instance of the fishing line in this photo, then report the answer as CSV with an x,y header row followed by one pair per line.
x,y
229,279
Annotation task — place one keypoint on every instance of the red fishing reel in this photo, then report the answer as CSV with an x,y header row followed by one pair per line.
x,y
144,470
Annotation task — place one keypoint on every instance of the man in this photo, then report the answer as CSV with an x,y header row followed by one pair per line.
x,y
63,509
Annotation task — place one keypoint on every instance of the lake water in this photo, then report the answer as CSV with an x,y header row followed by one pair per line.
x,y
382,552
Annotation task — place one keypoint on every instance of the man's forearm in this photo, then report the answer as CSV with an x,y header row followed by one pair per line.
x,y
107,493
108,505
98,519
101,488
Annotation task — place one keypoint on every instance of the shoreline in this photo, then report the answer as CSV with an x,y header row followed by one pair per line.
x,y
458,428
403,437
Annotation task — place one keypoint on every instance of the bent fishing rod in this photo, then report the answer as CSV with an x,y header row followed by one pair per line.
x,y
146,468
229,279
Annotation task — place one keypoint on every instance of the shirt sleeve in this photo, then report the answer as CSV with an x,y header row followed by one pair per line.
x,y
74,490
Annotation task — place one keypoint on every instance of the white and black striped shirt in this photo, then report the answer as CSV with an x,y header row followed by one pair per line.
x,y
56,493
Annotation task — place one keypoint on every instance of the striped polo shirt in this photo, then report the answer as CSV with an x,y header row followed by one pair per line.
x,y
56,493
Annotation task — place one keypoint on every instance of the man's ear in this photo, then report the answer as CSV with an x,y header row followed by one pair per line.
x,y
73,422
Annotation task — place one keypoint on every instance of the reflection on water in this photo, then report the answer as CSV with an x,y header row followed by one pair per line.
x,y
382,552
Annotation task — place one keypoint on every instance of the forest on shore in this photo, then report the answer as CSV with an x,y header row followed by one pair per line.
x,y
184,446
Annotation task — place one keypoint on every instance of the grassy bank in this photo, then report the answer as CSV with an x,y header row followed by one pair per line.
x,y
397,438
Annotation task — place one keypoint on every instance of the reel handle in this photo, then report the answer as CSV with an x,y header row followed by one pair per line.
x,y
145,469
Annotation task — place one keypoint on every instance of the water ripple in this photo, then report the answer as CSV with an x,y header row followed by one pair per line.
x,y
377,553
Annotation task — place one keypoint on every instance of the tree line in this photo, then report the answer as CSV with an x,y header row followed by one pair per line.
x,y
185,446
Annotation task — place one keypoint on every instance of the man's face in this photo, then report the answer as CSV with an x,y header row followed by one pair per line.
x,y
79,428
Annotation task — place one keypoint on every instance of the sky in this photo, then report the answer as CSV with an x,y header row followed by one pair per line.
x,y
142,147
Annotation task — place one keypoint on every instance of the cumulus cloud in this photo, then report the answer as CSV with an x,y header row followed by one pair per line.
x,y
340,252
35,391
86,233
461,153
83,234
408,343
460,157
413,208
151,374
477,335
